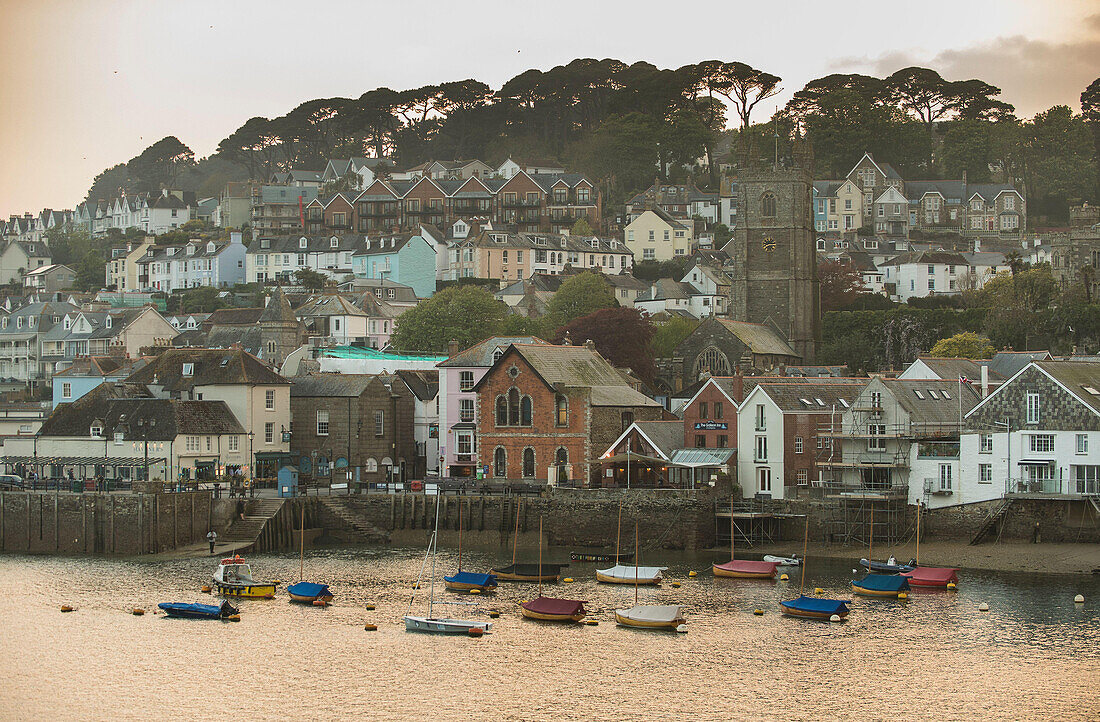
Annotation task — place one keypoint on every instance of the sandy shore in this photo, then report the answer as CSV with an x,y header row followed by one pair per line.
x,y
1003,557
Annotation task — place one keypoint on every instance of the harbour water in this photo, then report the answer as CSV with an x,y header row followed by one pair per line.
x,y
1034,655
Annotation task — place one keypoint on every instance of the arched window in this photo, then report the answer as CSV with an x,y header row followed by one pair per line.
x,y
561,457
528,462
767,205
712,360
628,419
500,463
513,407
525,411
372,466
271,347
561,410
502,411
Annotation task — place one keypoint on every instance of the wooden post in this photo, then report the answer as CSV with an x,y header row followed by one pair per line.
x,y
113,547
57,519
3,535
28,497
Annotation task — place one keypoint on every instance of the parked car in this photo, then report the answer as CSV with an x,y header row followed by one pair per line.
x,y
11,481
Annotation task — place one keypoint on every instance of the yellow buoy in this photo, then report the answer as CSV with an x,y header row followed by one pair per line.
x,y
902,595
591,622
235,618
206,588
784,578
276,581
137,611
66,608
494,615
693,574
1079,599
819,590
676,584
371,627
416,585
568,580
370,607
983,607
758,612
475,591
951,585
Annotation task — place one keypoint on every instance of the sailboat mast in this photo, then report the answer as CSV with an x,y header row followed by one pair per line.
x,y
637,553
540,556
433,545
805,543
871,537
619,531
302,544
732,555
460,534
919,505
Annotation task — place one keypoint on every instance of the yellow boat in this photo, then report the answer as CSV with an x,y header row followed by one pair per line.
x,y
233,578
651,617
745,569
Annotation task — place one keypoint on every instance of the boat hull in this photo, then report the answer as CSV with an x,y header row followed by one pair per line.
x,y
585,557
246,591
511,577
810,614
306,599
181,610
884,567
610,579
542,617
628,621
464,587
865,592
735,574
444,626
782,561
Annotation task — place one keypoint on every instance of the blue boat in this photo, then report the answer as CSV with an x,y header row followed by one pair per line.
x,y
465,581
184,610
815,608
309,592
880,585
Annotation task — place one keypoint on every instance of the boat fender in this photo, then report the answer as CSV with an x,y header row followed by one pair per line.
x,y
137,611
693,574
758,612
983,607
834,618
902,596
370,627
66,608
276,581
818,590
475,631
951,585
682,629
568,580
475,591
784,578
320,603
416,585
494,615
1079,599
234,617
370,607
206,588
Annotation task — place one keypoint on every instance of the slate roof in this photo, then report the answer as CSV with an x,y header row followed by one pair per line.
x,y
278,309
929,410
102,366
234,317
758,337
481,354
314,243
667,288
1078,377
330,384
211,367
667,436
120,406
423,383
952,368
581,367
1009,363
791,394
328,304
928,257
385,244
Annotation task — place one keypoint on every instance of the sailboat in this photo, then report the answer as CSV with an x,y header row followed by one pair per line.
x,y
431,623
878,585
527,572
551,609
929,577
743,569
306,592
462,581
634,574
812,607
646,616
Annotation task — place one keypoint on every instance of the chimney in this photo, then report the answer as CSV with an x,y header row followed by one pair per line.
x,y
590,344
566,341
452,348
985,381
964,179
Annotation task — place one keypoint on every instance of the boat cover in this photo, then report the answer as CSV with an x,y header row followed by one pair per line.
x,y
550,605
816,604
883,583
308,589
652,614
932,575
746,566
531,570
885,567
481,580
620,571
185,609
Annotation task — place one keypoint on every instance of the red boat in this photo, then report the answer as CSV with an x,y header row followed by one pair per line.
x,y
932,576
549,609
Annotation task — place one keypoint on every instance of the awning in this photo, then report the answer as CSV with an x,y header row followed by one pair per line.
x,y
1036,462
623,458
697,458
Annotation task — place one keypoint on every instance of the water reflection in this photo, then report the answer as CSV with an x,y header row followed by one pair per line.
x,y
1033,655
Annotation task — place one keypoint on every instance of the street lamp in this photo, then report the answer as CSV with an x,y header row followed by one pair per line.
x,y
146,427
251,460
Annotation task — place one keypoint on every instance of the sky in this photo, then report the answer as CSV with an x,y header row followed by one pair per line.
x,y
87,84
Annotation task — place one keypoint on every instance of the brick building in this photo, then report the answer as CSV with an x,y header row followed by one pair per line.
x,y
354,428
710,417
545,411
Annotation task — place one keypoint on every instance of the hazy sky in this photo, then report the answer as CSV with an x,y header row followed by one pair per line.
x,y
87,84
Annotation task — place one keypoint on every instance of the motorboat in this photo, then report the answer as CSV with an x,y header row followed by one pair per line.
x,y
233,578
890,567
185,610
791,561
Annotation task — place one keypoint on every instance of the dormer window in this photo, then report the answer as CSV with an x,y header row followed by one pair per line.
x,y
107,323
302,242
265,243
190,250
68,323
97,429
210,247
334,242
189,369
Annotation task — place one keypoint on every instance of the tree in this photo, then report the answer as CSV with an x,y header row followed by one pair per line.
x,y
669,333
466,314
621,335
839,284
581,295
308,278
91,272
1090,111
964,345
582,228
205,299
1028,289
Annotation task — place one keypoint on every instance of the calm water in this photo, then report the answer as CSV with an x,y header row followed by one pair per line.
x,y
1035,655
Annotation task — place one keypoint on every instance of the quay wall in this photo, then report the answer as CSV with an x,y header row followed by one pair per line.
x,y
115,524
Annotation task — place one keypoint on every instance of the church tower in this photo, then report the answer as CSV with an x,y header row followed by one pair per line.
x,y
773,253
280,331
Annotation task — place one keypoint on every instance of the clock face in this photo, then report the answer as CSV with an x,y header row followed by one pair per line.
x,y
767,243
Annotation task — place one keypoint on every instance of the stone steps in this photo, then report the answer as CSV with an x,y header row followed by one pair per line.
x,y
256,517
366,531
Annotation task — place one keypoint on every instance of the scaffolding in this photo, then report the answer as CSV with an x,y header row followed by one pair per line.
x,y
753,522
851,522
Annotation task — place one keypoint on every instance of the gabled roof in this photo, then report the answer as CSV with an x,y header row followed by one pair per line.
x,y
942,407
130,410
99,366
809,395
1008,363
423,383
667,288
951,369
481,354
278,309
331,384
210,367
947,258
234,317
759,338
1078,377
328,304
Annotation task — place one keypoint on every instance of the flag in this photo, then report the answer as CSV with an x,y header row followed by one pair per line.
x,y
963,379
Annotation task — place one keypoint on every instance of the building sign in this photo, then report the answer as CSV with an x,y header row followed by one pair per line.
x,y
711,426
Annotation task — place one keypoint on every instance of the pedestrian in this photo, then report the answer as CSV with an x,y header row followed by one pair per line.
x,y
211,536
1035,535
240,509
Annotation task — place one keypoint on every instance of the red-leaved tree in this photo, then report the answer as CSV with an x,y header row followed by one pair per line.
x,y
621,335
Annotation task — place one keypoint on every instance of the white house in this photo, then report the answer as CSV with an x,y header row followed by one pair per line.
x,y
925,273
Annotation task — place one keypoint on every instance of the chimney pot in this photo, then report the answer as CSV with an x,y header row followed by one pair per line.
x,y
452,347
590,344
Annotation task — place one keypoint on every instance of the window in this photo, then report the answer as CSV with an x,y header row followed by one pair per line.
x,y
761,420
234,443
379,423
561,410
466,410
192,443
985,473
652,236
985,444
798,444
873,443
802,477
118,438
269,400
723,441
648,254
945,477
700,441
717,409
764,476
876,399
322,423
464,443
66,390
526,411
761,449
269,432
189,369
1032,407
767,205
1082,443
502,411
500,462
465,380
1086,478
1041,443
528,462
703,410
208,443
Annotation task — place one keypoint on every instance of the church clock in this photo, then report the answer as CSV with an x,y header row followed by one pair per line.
x,y
767,243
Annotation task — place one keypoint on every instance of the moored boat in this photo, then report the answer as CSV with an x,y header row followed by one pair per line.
x,y
815,608
529,572
185,610
233,578
620,574
934,577
645,616
600,558
745,569
465,581
880,585
309,592
550,609
444,626
891,567
791,561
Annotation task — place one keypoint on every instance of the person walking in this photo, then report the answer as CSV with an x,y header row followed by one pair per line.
x,y
240,508
211,536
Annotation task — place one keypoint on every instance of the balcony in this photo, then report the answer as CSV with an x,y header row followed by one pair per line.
x,y
379,212
520,203
932,486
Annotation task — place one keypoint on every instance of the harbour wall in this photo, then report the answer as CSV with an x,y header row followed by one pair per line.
x,y
122,524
